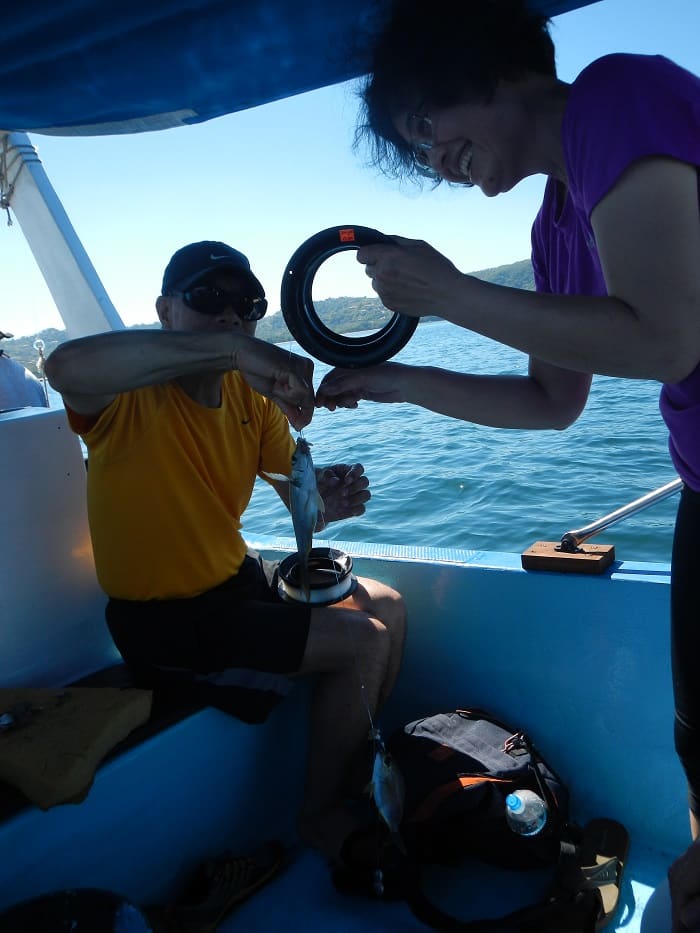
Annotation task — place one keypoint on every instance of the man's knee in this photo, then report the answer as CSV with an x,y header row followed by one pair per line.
x,y
382,601
339,638
370,640
371,631
393,615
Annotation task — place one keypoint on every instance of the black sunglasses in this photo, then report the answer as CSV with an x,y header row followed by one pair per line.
x,y
207,299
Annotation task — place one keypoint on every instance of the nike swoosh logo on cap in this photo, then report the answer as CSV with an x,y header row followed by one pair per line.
x,y
212,256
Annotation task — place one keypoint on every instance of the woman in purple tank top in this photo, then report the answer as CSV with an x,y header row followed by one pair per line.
x,y
467,93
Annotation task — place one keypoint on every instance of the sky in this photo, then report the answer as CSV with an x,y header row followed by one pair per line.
x,y
267,179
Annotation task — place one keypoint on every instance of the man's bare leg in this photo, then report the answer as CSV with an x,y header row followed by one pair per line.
x,y
356,657
387,605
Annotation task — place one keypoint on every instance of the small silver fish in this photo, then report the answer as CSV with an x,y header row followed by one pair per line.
x,y
387,789
305,503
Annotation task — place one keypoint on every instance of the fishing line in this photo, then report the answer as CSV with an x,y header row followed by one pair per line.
x,y
363,687
374,732
356,661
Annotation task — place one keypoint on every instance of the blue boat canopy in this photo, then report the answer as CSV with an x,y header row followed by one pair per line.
x,y
90,67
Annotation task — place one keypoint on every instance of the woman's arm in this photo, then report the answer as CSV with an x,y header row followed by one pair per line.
x,y
548,397
647,230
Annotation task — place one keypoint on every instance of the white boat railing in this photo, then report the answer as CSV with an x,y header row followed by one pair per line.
x,y
572,540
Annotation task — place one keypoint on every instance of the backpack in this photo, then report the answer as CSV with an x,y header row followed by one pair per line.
x,y
458,768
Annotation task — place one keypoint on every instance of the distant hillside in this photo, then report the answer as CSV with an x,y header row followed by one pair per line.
x,y
514,275
343,315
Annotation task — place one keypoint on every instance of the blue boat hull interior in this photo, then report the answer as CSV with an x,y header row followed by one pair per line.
x,y
580,661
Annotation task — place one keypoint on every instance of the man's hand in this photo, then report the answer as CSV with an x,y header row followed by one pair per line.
x,y
280,375
684,883
344,489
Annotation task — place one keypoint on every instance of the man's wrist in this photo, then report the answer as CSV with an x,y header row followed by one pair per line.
x,y
234,351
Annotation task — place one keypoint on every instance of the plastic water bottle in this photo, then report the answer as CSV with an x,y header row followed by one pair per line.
x,y
526,812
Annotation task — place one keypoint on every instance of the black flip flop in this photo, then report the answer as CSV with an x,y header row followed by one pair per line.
x,y
603,855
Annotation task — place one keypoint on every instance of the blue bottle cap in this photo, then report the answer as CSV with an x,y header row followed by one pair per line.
x,y
514,803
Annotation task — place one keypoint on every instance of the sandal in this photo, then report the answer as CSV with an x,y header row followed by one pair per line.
x,y
586,890
215,888
602,858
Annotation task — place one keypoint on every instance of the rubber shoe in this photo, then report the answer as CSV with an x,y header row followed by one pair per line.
x,y
216,887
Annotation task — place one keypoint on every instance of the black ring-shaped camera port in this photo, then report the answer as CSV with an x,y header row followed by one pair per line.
x,y
304,323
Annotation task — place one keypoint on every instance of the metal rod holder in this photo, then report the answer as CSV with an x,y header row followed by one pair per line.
x,y
572,540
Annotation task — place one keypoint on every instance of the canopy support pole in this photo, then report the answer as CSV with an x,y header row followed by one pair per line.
x,y
75,287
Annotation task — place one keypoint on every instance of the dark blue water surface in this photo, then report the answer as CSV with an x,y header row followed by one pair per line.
x,y
445,483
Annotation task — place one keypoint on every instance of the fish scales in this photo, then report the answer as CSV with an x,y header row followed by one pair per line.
x,y
388,790
305,504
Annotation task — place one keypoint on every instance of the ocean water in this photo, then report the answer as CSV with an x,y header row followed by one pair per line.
x,y
438,482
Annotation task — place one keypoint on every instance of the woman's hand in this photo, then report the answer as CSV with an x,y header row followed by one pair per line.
x,y
410,276
344,489
344,388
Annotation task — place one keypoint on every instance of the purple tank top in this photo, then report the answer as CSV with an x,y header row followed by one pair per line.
x,y
638,106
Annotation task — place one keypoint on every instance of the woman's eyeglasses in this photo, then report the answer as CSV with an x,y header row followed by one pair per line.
x,y
420,132
207,299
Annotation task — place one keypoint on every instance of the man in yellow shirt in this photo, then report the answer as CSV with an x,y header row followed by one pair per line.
x,y
178,423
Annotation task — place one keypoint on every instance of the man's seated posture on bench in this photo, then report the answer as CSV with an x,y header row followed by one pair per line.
x,y
178,423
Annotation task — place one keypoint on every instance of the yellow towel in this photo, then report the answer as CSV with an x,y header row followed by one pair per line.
x,y
62,735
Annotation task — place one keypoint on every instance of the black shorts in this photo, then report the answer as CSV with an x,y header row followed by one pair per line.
x,y
230,647
685,638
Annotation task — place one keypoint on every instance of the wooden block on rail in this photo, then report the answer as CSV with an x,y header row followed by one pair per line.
x,y
548,555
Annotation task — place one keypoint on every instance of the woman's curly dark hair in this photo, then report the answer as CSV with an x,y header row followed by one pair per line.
x,y
439,53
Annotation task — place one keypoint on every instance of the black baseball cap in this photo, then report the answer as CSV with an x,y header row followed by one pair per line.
x,y
191,263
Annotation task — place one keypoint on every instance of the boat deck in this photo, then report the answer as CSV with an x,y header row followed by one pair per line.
x,y
210,784
302,897
579,661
